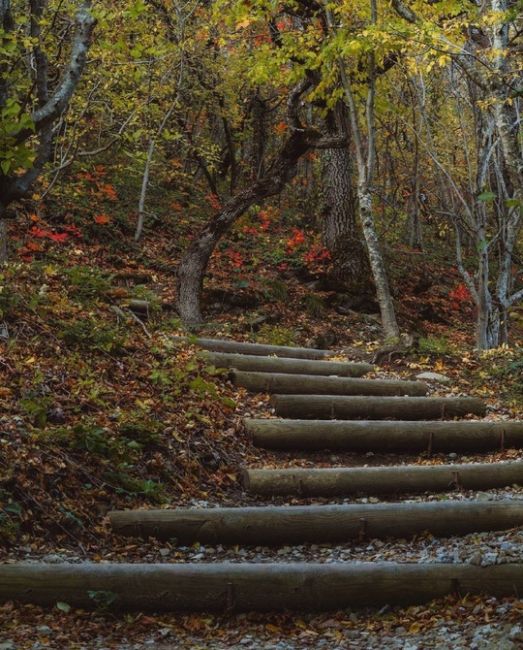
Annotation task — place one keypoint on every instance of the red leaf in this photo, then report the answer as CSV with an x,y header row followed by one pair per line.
x,y
58,237
102,219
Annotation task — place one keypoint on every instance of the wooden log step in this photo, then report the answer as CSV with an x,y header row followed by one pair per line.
x,y
335,407
263,382
284,365
224,345
384,436
272,525
231,587
343,481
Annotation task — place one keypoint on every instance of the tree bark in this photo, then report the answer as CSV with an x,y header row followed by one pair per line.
x,y
381,480
230,587
273,525
386,436
290,366
341,232
379,271
289,384
375,408
193,264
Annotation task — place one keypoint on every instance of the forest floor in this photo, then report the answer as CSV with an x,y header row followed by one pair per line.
x,y
100,410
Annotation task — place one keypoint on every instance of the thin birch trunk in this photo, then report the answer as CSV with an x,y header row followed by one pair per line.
x,y
366,162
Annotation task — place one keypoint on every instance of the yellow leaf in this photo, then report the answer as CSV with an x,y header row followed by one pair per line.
x,y
243,23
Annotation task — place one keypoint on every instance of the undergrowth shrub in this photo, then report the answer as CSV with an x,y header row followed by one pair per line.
x,y
435,345
9,518
86,283
92,334
313,305
9,300
276,290
276,335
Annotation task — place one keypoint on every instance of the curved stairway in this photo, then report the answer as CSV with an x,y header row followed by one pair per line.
x,y
321,405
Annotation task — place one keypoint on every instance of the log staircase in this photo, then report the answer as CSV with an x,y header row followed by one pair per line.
x,y
321,405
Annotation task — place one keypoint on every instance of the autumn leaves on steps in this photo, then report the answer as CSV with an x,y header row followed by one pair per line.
x,y
350,414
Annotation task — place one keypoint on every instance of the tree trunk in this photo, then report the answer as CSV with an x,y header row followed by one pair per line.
x,y
415,239
273,525
258,141
143,190
488,326
488,322
291,384
341,233
343,481
193,265
379,272
384,437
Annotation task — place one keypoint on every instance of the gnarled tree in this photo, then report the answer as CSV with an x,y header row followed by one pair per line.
x,y
279,172
30,104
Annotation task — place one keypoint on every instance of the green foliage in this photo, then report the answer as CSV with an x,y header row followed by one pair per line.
x,y
276,335
87,283
127,484
36,407
140,429
135,432
174,379
10,512
91,334
103,600
276,290
141,292
13,120
510,371
9,300
435,345
487,197
314,305
94,439
202,387
9,528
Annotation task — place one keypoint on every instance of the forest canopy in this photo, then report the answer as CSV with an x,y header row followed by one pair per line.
x,y
379,124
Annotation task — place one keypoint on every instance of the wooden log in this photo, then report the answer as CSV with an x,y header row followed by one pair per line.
x,y
341,481
284,365
224,345
335,407
385,436
140,306
263,382
271,525
230,587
